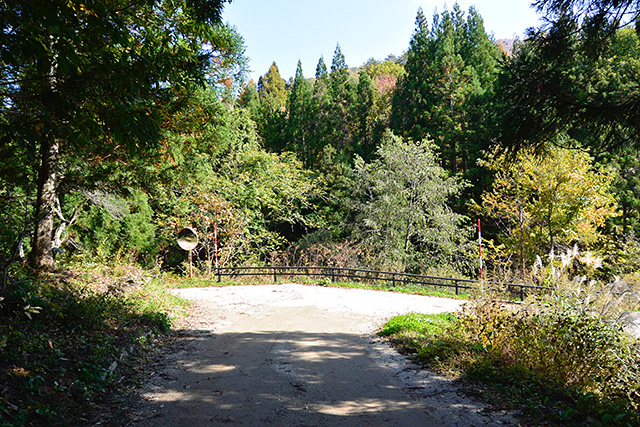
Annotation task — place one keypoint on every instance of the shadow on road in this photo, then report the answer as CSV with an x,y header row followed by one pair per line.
x,y
277,378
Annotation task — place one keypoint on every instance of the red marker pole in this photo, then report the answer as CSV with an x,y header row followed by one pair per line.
x,y
480,247
215,241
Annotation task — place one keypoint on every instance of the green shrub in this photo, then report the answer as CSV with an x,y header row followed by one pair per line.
x,y
430,339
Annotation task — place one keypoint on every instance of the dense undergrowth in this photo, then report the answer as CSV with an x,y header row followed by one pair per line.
x,y
554,362
72,343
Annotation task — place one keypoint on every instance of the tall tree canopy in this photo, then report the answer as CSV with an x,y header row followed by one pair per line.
x,y
270,110
447,91
271,87
300,117
95,80
598,19
576,76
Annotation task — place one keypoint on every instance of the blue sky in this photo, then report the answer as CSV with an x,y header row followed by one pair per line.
x,y
287,30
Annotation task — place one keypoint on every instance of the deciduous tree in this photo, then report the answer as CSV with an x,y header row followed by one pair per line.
x,y
543,204
404,210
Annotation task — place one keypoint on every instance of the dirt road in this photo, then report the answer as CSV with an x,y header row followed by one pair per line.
x,y
293,355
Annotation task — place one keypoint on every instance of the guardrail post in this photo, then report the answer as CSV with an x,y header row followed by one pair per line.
x,y
333,275
393,279
456,284
219,275
275,275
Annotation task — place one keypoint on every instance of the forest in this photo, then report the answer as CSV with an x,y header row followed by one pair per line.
x,y
119,129
123,122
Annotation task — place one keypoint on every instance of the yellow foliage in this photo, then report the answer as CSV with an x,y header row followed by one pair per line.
x,y
542,202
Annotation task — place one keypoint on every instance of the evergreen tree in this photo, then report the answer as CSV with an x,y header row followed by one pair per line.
x,y
300,118
364,138
342,96
271,115
557,85
451,78
96,79
339,69
319,112
410,111
249,98
625,161
447,90
321,69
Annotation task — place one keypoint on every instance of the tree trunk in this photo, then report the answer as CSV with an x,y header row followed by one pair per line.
x,y
42,251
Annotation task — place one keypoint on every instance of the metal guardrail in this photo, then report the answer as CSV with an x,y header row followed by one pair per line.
x,y
373,276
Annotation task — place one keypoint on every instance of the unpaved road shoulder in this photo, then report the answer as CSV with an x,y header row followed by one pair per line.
x,y
294,355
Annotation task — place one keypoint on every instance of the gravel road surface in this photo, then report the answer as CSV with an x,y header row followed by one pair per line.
x,y
295,355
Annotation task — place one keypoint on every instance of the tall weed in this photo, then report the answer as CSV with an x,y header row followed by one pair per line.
x,y
560,345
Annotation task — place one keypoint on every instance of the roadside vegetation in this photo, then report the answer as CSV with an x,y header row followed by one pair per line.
x,y
558,360
74,344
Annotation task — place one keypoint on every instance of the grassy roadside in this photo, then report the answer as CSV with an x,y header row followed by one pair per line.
x,y
552,366
74,343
